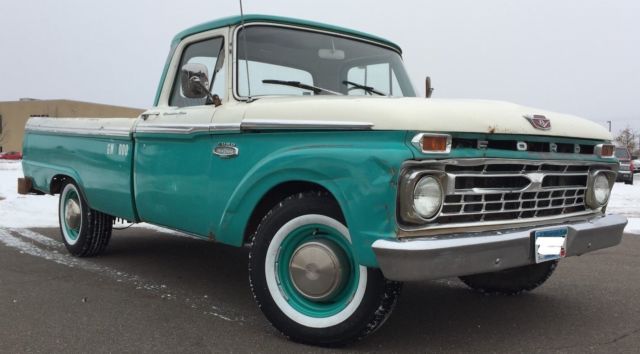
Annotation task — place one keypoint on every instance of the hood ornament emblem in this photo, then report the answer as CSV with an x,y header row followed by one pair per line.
x,y
538,121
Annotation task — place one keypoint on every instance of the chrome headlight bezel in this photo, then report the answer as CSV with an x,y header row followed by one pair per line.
x,y
406,208
434,185
596,176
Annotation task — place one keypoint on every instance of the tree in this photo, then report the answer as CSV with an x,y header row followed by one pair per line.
x,y
627,138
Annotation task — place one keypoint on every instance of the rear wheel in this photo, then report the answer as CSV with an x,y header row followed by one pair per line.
x,y
85,232
511,281
306,280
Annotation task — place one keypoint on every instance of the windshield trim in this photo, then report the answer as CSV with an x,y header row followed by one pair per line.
x,y
236,42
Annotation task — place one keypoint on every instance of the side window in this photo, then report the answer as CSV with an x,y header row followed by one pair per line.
x,y
209,52
379,76
264,71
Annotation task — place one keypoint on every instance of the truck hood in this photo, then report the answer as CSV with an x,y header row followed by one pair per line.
x,y
420,114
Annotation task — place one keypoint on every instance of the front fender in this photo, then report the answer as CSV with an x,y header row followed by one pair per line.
x,y
362,180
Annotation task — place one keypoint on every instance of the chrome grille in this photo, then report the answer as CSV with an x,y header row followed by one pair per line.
x,y
491,192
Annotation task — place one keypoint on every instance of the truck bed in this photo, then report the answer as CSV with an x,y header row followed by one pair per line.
x,y
96,152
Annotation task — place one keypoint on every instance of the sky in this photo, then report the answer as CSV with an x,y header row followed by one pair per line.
x,y
579,57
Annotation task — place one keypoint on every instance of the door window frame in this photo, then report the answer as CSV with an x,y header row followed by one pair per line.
x,y
174,66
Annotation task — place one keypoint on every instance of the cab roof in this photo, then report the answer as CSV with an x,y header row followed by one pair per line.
x,y
235,20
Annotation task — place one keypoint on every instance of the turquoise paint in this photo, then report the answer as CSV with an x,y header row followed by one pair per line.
x,y
105,179
235,20
179,183
359,168
172,180
303,305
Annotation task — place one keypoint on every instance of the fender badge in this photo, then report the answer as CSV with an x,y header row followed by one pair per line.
x,y
226,150
538,121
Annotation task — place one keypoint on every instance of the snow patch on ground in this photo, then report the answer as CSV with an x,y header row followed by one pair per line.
x,y
633,226
23,210
28,211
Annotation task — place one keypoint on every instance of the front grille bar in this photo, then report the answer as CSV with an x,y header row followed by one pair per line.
x,y
539,190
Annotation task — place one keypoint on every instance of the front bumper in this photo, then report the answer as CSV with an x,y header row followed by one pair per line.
x,y
473,253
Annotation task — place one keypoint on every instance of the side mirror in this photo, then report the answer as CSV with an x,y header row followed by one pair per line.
x,y
194,80
428,90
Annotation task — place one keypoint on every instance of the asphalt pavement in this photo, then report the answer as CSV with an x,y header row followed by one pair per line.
x,y
156,292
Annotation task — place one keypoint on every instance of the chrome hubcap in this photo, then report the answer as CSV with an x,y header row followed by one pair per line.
x,y
72,215
318,270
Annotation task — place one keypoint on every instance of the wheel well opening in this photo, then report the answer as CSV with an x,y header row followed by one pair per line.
x,y
57,182
274,196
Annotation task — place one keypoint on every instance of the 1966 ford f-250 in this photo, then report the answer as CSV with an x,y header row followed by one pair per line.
x,y
305,142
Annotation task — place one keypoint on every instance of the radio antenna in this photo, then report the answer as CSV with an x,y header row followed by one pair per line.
x,y
246,54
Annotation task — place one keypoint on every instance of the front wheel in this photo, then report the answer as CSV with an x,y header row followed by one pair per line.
x,y
306,280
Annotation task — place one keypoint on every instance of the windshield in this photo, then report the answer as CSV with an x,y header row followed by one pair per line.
x,y
622,154
285,61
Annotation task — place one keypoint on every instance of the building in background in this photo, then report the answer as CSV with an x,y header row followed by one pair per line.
x,y
14,116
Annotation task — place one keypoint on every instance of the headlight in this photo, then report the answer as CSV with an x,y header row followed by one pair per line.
x,y
427,197
601,189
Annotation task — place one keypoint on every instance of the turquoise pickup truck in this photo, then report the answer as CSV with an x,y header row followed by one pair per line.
x,y
307,144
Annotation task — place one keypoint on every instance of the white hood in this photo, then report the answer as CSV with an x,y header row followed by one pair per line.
x,y
421,114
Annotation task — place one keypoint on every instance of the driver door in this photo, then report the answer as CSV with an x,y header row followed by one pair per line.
x,y
174,147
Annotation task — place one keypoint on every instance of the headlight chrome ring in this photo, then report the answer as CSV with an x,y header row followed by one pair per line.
x,y
600,189
427,197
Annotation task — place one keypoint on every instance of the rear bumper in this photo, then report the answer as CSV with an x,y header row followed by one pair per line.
x,y
473,253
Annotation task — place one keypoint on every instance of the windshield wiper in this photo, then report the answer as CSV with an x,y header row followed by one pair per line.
x,y
299,84
367,89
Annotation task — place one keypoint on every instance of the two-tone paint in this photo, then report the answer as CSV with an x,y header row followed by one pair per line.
x,y
163,168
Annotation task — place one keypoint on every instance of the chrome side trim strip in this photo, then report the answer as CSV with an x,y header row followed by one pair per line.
x,y
274,124
251,124
173,128
119,132
224,127
185,129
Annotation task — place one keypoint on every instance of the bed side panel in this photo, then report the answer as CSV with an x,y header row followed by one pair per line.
x,y
101,165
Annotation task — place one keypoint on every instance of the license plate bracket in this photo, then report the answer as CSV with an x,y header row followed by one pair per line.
x,y
549,244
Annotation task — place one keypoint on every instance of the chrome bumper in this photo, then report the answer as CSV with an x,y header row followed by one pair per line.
x,y
472,253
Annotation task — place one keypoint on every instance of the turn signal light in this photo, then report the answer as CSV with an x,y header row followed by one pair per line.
x,y
432,143
605,150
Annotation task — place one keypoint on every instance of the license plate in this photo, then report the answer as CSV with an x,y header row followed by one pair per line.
x,y
550,244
